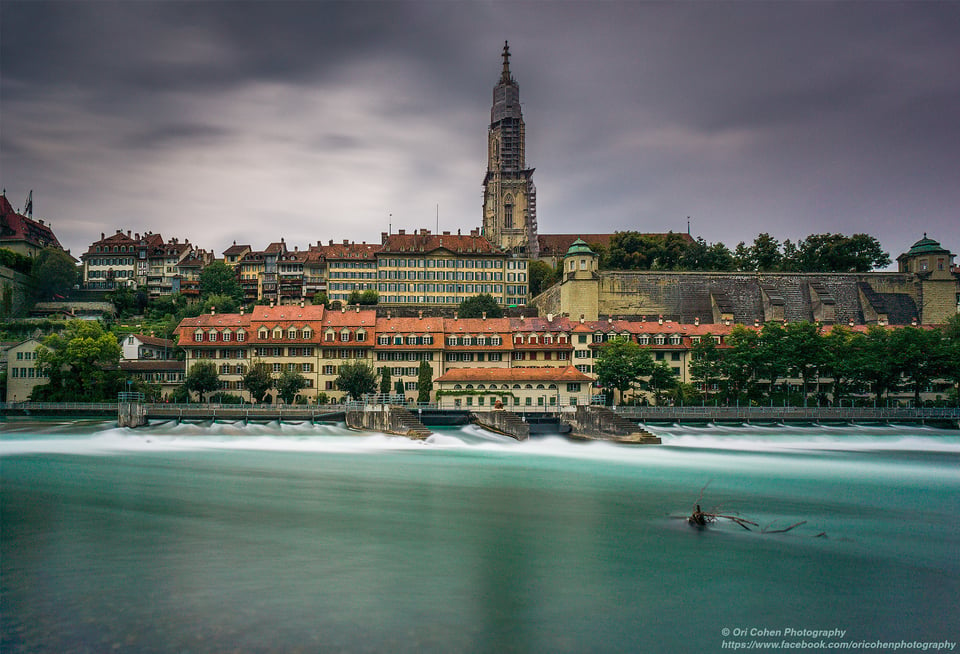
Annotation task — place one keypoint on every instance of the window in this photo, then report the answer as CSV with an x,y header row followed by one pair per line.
x,y
212,335
291,333
278,367
198,336
262,334
278,333
241,336
226,335
307,333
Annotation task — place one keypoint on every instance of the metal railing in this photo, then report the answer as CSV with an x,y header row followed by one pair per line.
x,y
789,413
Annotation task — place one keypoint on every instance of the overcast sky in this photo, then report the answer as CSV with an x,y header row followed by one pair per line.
x,y
252,121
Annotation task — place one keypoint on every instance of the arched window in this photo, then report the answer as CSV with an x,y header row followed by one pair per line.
x,y
508,212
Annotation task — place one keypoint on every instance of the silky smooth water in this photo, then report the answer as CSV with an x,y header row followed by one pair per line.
x,y
301,538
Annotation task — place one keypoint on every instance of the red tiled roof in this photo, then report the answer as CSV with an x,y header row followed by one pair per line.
x,y
236,249
276,248
429,325
568,374
153,340
425,242
17,227
477,326
288,313
348,250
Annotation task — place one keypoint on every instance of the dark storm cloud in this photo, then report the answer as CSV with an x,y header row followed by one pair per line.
x,y
328,116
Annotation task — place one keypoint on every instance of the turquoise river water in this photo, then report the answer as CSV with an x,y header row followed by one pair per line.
x,y
302,538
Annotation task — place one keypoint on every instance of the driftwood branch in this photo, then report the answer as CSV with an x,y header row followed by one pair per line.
x,y
700,518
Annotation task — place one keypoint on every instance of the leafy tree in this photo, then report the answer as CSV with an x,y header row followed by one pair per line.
x,y
356,379
474,307
763,256
769,362
876,365
620,363
289,384
803,351
701,255
320,297
82,364
542,277
739,363
369,297
919,355
635,251
842,355
354,297
398,388
661,381
705,363
54,273
951,368
258,380
15,261
424,382
384,380
202,378
836,253
220,279
220,303
222,397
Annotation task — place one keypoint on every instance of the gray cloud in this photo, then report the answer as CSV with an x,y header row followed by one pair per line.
x,y
317,120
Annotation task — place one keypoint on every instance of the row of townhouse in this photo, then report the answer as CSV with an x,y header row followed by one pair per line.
x,y
420,268
314,342
145,262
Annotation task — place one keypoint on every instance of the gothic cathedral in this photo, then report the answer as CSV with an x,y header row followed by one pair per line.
x,y
509,196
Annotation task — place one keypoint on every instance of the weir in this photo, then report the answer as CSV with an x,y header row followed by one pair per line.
x,y
503,422
600,423
387,419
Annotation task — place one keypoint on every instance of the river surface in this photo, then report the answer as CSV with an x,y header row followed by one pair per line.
x,y
302,538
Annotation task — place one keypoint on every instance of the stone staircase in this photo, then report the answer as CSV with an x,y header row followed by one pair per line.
x,y
405,422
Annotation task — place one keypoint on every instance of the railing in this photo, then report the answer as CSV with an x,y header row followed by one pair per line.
x,y
59,406
786,413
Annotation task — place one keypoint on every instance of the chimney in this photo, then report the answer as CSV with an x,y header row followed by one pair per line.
x,y
241,311
660,320
446,233
302,303
581,319
420,314
343,309
726,322
609,320
128,231
271,304
521,317
213,311
358,308
850,322
388,314
756,322
401,232
696,321
914,322
331,241
483,316
456,316
346,242
458,232
102,236
549,317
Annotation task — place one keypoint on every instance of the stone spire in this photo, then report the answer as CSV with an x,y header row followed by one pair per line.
x,y
505,77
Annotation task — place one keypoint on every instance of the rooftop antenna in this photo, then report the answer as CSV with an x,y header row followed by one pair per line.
x,y
28,205
688,225
390,224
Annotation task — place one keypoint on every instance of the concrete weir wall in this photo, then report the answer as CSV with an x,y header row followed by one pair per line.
x,y
503,422
388,420
600,423
131,414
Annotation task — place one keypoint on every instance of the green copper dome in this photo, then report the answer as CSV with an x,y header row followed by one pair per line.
x,y
580,247
926,246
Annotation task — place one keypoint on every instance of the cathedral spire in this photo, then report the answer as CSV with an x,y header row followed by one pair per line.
x,y
505,77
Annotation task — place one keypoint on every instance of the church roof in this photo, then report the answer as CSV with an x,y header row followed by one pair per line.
x,y
926,246
580,247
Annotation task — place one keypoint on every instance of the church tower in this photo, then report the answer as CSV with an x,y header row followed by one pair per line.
x,y
509,196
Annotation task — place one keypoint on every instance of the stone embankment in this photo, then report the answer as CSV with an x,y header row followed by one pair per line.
x,y
387,419
600,423
503,422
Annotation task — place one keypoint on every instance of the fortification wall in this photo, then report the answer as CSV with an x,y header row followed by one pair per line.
x,y
15,298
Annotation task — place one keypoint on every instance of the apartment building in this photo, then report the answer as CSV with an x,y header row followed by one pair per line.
x,y
23,370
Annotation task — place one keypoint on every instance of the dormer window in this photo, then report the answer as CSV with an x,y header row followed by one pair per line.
x,y
329,336
198,335
675,340
548,339
716,339
383,340
451,340
277,333
307,333
428,340
262,334
226,335
212,335
411,340
496,340
398,340
534,339
241,336
660,339
360,336
518,339
562,339
291,333
344,335
598,338
644,340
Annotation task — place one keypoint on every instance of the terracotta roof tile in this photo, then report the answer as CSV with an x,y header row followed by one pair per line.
x,y
425,242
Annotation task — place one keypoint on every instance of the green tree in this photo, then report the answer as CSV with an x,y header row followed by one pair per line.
x,y
369,297
220,303
769,362
701,255
474,307
356,379
258,380
398,388
354,297
803,351
739,363
951,369
919,355
54,273
705,363
202,378
289,384
763,256
836,253
82,364
542,277
876,367
424,382
320,297
220,279
384,380
620,363
662,380
842,357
